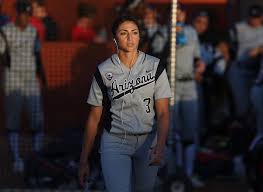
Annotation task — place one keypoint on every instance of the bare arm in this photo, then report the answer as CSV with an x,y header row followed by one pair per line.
x,y
162,110
91,129
90,132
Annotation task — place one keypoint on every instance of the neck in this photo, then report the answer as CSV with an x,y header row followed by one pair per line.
x,y
20,26
128,58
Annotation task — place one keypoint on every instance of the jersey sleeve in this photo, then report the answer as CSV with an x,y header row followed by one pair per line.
x,y
193,39
2,43
162,86
96,93
197,49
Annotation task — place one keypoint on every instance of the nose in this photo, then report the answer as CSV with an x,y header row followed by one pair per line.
x,y
129,37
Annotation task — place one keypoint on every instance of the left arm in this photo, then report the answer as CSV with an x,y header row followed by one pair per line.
x,y
254,52
199,65
199,69
39,65
162,110
161,95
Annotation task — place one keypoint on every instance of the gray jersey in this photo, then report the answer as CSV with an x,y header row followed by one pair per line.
x,y
247,37
22,47
22,72
128,95
187,53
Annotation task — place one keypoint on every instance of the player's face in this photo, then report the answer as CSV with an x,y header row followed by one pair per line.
x,y
38,11
149,17
255,21
201,24
128,36
181,15
85,22
23,19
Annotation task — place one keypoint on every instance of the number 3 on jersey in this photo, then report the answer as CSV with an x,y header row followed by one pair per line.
x,y
147,102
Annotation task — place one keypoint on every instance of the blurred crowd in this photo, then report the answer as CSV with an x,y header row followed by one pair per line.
x,y
219,78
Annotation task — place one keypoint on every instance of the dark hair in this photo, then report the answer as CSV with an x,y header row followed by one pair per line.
x,y
40,3
23,6
255,11
121,19
86,10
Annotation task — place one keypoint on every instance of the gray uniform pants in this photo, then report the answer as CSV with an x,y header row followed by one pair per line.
x,y
23,90
185,128
186,111
257,102
241,83
125,162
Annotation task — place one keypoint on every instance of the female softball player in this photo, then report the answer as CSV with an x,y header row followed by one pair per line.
x,y
131,87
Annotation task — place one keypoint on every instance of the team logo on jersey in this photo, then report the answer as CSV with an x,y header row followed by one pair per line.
x,y
120,89
109,76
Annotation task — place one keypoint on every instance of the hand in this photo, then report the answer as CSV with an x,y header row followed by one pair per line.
x,y
199,70
198,77
254,52
42,81
83,173
179,29
156,156
200,67
44,84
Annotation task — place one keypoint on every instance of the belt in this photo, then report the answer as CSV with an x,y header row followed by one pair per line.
x,y
185,79
131,134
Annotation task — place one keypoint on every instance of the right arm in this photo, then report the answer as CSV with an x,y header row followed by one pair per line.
x,y
2,44
91,129
95,99
3,41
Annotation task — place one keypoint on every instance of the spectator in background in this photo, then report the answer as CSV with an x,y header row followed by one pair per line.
x,y
211,46
157,34
247,48
189,68
38,24
3,18
257,102
21,86
40,12
84,30
201,24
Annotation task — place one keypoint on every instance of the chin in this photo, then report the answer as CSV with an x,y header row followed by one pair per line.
x,y
130,50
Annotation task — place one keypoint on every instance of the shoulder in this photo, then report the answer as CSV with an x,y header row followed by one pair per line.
x,y
190,29
32,29
240,26
8,26
191,33
241,23
149,59
154,63
164,30
9,29
76,29
106,64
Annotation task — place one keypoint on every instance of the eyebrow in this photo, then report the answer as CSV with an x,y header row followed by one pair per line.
x,y
127,30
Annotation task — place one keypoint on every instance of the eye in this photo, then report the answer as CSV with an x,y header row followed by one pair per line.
x,y
135,32
123,33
